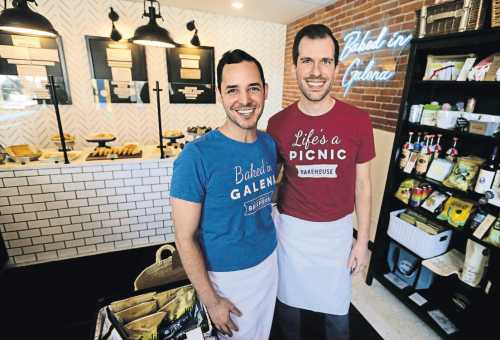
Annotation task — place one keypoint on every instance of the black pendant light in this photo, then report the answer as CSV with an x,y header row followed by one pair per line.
x,y
195,40
21,19
152,34
113,16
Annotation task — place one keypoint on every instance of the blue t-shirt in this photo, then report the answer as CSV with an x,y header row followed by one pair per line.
x,y
234,181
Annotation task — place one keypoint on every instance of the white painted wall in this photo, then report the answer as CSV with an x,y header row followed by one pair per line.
x,y
379,168
74,19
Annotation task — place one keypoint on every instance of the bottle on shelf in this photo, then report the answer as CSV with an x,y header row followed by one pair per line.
x,y
417,146
487,173
431,144
437,147
494,234
452,153
424,156
406,152
493,194
480,214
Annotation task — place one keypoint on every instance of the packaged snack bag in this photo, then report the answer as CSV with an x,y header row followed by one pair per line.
x,y
405,189
456,212
464,173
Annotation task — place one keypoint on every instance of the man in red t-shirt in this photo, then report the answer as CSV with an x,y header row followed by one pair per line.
x,y
326,146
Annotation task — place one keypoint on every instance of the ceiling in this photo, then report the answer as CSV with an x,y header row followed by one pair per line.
x,y
279,11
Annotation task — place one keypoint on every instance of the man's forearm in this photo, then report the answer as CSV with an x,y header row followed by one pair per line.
x,y
363,214
194,265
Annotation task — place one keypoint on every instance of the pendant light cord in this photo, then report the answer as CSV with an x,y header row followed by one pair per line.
x,y
146,14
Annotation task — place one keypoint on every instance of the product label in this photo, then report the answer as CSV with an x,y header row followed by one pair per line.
x,y
405,156
396,281
422,164
418,299
443,321
484,226
484,181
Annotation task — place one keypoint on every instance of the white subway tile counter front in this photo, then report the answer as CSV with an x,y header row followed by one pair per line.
x,y
53,211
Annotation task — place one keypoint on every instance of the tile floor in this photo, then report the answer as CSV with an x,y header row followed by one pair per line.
x,y
390,318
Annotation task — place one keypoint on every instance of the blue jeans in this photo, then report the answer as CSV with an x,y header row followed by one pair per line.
x,y
336,327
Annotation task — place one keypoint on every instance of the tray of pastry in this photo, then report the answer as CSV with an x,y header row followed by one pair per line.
x,y
198,130
173,134
116,152
23,153
100,137
69,140
58,156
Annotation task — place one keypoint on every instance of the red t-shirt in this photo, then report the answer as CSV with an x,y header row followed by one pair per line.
x,y
320,154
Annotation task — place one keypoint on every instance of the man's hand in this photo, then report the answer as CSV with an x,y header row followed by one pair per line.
x,y
359,258
220,313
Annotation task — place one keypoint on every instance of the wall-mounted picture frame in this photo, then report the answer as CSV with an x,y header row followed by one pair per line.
x,y
191,76
118,71
25,64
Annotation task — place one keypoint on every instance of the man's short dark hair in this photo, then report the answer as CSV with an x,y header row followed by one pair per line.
x,y
314,31
235,57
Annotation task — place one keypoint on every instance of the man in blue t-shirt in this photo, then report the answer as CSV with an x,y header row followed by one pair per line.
x,y
221,205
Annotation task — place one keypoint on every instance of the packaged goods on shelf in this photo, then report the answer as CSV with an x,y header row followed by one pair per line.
x,y
450,16
456,212
435,201
464,173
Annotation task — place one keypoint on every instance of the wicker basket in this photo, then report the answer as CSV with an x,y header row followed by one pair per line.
x,y
495,13
451,16
163,271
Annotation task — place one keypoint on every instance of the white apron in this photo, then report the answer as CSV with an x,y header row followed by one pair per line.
x,y
312,262
253,292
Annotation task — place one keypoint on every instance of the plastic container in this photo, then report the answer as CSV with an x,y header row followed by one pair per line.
x,y
418,241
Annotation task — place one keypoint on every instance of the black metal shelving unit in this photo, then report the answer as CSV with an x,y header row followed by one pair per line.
x,y
474,321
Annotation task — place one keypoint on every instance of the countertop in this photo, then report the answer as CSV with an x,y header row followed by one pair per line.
x,y
149,153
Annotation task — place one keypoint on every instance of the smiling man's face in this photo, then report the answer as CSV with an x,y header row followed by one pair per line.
x,y
315,69
243,94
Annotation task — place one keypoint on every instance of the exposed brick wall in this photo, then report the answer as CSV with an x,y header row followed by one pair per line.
x,y
380,100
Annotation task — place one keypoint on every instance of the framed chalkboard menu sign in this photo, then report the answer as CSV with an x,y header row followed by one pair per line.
x,y
118,69
26,62
191,78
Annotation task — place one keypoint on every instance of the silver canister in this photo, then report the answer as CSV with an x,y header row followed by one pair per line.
x,y
415,113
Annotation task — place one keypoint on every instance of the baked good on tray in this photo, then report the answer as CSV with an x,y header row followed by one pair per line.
x,y
23,152
104,136
120,151
173,134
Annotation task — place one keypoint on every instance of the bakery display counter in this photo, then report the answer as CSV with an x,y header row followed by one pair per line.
x,y
52,158
51,211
